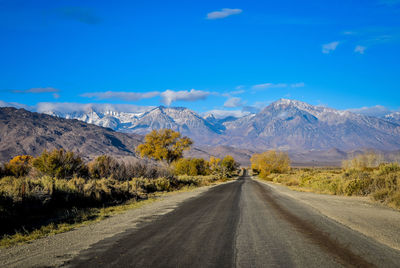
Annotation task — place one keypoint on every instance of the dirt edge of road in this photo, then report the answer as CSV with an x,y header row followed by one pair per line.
x,y
357,213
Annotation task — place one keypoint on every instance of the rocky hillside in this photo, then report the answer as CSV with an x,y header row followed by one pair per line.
x,y
23,132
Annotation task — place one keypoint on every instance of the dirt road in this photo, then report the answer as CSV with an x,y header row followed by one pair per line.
x,y
241,224
244,223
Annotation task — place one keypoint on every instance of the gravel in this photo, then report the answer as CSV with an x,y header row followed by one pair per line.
x,y
358,213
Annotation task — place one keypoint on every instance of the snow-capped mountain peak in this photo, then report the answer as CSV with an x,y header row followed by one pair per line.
x,y
284,124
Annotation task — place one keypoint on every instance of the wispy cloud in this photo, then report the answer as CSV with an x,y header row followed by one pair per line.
x,y
360,49
223,13
256,107
349,33
233,102
69,107
371,37
389,2
170,96
167,97
230,93
125,96
377,111
296,85
269,85
328,48
83,15
38,90
13,104
226,113
237,92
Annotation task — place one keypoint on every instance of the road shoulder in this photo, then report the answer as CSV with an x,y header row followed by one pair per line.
x,y
358,213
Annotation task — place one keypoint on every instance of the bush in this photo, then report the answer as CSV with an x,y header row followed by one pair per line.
x,y
368,160
142,168
60,164
103,167
185,180
389,168
19,166
191,167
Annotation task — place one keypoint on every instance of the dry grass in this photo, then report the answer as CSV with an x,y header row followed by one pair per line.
x,y
144,191
381,183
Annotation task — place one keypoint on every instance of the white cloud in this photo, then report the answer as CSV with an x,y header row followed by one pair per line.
x,y
13,104
219,114
223,13
169,96
69,107
126,96
296,85
269,85
360,49
349,33
328,48
237,92
233,102
378,111
256,107
38,90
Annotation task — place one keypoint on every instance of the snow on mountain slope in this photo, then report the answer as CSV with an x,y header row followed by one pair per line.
x,y
177,118
393,117
284,124
289,124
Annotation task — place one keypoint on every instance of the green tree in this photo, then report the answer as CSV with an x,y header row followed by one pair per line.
x,y
164,145
60,164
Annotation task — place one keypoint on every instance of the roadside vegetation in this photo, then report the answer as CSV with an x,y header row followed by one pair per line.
x,y
57,190
366,174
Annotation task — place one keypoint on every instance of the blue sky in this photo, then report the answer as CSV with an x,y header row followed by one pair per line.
x,y
204,55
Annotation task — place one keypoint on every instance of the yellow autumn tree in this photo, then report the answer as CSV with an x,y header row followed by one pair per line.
x,y
229,165
191,167
270,162
215,164
20,165
164,145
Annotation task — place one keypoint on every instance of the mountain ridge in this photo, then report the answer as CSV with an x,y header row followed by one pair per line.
x,y
284,124
24,132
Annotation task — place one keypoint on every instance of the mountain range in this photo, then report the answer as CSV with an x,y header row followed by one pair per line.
x,y
285,124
